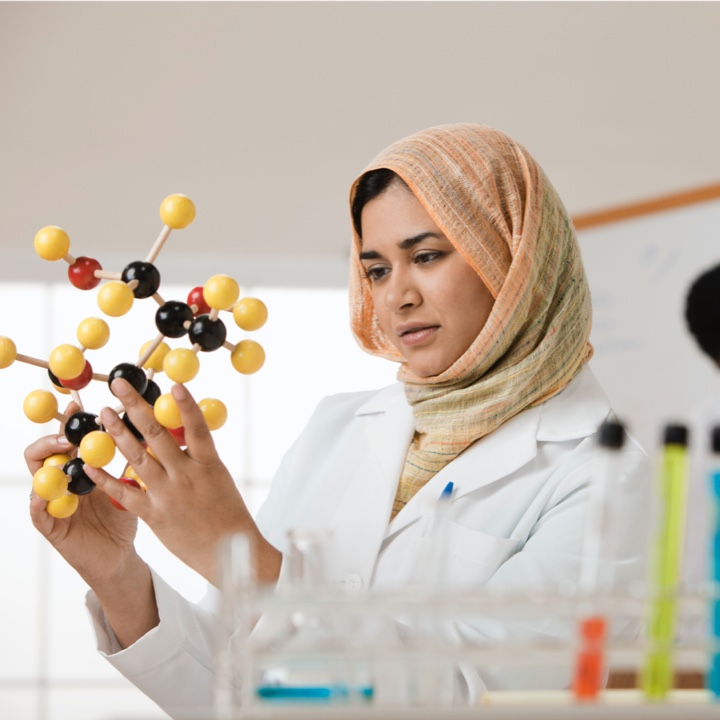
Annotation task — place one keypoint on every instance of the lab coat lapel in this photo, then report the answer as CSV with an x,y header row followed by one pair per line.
x,y
495,456
362,518
575,412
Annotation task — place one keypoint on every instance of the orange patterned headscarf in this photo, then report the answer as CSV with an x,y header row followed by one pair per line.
x,y
496,206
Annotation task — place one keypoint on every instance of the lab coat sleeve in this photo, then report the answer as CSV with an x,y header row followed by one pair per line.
x,y
269,518
172,663
300,466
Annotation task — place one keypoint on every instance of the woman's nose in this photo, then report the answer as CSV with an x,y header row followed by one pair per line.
x,y
402,292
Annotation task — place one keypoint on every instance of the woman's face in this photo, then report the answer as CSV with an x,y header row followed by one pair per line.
x,y
428,301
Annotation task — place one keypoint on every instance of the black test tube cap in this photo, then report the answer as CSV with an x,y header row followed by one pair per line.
x,y
675,435
715,439
612,434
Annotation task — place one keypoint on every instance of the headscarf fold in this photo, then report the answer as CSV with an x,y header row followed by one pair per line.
x,y
495,205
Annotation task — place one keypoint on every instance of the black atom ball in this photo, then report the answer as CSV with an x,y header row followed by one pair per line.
x,y
171,317
79,483
79,424
152,392
54,379
150,396
147,276
132,373
208,334
129,425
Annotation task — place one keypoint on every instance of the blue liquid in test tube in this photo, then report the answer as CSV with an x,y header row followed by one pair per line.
x,y
713,671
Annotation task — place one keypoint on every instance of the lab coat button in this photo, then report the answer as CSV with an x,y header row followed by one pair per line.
x,y
353,582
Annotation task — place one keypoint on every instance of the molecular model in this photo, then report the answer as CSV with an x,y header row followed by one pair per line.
x,y
61,479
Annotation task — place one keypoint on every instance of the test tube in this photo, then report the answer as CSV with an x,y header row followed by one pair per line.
x,y
600,539
237,584
306,558
713,670
302,664
657,672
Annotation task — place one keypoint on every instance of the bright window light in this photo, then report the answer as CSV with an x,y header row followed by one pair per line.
x,y
310,351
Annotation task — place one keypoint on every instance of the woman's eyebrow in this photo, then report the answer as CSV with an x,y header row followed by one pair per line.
x,y
411,242
403,244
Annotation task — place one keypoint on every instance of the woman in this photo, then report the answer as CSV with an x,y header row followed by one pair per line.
x,y
466,270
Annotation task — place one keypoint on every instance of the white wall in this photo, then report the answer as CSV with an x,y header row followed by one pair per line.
x,y
639,273
264,112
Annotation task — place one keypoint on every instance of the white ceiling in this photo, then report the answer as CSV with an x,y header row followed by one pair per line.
x,y
263,112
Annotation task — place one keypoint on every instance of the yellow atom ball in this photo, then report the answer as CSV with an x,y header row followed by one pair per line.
x,y
177,211
93,333
61,390
181,365
247,357
66,362
221,292
97,449
214,412
250,313
40,406
8,352
52,243
167,412
56,460
115,298
50,483
129,472
155,361
64,506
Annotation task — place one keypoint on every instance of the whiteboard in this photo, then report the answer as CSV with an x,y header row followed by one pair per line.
x,y
639,272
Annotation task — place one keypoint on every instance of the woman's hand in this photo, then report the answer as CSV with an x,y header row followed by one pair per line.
x,y
97,540
191,501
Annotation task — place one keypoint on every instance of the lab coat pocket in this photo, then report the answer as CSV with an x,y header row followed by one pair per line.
x,y
475,556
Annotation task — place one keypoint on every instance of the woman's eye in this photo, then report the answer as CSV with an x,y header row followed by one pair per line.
x,y
423,258
376,273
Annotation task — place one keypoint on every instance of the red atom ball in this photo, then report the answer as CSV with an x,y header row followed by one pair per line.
x,y
127,481
82,273
196,297
81,381
179,435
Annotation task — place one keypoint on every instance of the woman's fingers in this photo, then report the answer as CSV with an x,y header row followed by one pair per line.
x,y
133,499
136,455
200,445
143,418
40,519
36,453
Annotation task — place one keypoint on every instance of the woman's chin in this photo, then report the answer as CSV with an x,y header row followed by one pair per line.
x,y
426,368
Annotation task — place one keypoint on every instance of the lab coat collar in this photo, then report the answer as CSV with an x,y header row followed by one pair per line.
x,y
575,412
384,399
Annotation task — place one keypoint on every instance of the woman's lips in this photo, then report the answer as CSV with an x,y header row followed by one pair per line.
x,y
419,335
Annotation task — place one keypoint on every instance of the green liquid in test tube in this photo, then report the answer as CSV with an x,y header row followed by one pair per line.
x,y
657,673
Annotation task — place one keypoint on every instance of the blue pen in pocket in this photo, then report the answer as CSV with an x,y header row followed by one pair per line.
x,y
447,492
437,539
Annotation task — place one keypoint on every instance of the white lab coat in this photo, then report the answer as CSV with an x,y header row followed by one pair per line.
x,y
518,511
